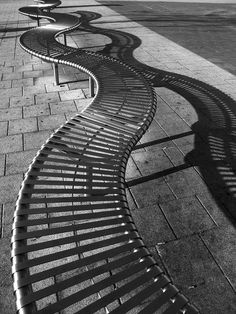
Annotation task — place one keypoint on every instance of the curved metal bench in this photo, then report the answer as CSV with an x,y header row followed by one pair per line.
x,y
75,247
36,11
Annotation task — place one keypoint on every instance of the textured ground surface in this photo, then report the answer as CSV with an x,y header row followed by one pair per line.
x,y
179,206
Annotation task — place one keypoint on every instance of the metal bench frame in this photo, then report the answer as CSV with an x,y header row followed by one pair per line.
x,y
75,246
42,10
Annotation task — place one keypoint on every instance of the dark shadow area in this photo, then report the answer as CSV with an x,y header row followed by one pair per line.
x,y
88,6
191,22
163,140
206,29
157,175
14,29
62,83
215,153
8,37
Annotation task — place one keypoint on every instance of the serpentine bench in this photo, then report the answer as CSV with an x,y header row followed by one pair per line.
x,y
75,247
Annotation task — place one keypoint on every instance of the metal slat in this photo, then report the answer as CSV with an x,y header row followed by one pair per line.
x,y
111,297
85,155
77,161
71,239
80,207
95,306
88,145
85,276
85,261
51,200
177,304
97,183
75,251
159,283
82,226
100,135
51,220
112,125
95,141
168,291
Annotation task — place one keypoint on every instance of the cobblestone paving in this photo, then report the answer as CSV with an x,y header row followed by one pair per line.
x,y
184,225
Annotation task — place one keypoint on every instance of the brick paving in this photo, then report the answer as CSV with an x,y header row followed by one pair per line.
x,y
182,220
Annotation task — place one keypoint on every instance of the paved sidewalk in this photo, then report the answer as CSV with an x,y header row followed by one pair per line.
x,y
181,209
31,107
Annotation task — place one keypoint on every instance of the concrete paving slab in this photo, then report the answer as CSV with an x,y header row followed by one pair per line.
x,y
202,279
19,162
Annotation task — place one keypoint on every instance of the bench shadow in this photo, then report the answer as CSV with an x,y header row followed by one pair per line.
x,y
14,29
88,6
214,154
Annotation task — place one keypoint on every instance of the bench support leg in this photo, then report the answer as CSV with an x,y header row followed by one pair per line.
x,y
65,41
56,74
91,87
